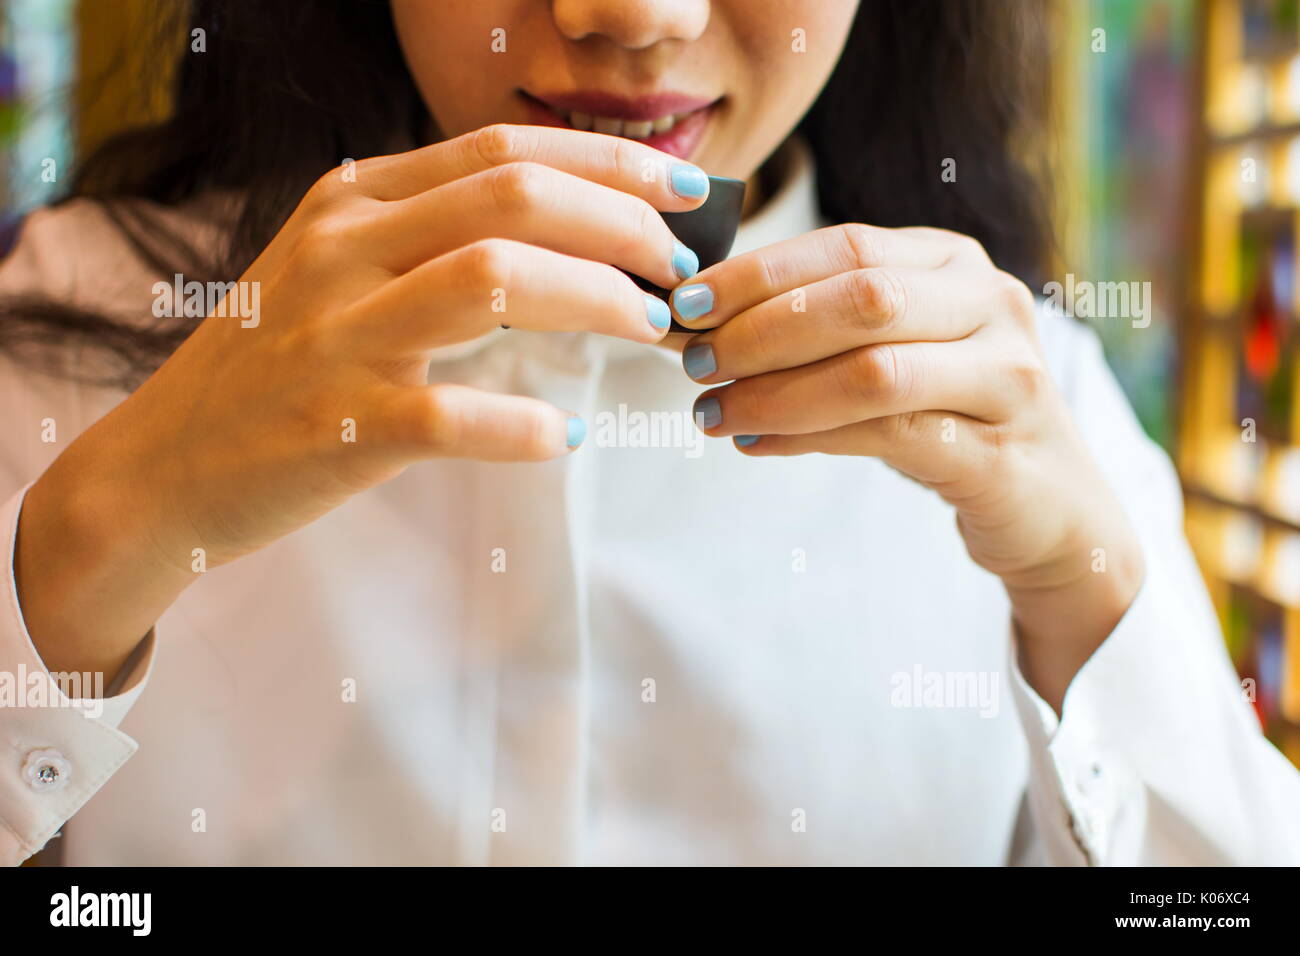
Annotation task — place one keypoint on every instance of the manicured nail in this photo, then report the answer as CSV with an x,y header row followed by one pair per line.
x,y
656,310
577,431
685,262
689,182
708,413
744,441
693,301
698,361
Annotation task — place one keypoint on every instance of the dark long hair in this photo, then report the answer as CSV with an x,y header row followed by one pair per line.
x,y
285,91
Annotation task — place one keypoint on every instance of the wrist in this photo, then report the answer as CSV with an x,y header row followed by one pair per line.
x,y
1063,619
91,580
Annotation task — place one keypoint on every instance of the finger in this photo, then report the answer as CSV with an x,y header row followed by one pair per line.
x,y
728,288
933,447
667,183
536,204
456,421
870,382
473,290
844,312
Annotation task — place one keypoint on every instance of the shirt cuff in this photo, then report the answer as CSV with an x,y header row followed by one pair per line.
x,y
1087,803
56,749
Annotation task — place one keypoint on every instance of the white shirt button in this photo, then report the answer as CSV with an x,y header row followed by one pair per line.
x,y
1089,781
46,770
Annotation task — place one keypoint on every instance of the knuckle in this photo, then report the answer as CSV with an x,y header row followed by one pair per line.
x,y
488,263
518,187
1015,298
766,276
961,244
642,227
326,188
876,376
769,274
311,343
762,342
878,298
971,246
361,166
1028,377
906,427
498,144
433,423
319,242
864,245
623,155
342,180
999,439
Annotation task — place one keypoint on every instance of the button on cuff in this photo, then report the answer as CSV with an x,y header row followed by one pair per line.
x,y
46,770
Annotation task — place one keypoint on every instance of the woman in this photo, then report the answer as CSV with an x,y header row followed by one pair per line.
x,y
406,614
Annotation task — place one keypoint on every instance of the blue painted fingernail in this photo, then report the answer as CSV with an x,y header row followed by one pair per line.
x,y
708,412
698,361
656,310
685,262
689,182
744,441
693,301
577,431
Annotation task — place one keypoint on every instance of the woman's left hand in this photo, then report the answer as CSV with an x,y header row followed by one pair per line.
x,y
909,345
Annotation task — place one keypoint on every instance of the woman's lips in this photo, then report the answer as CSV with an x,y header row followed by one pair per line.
x,y
669,122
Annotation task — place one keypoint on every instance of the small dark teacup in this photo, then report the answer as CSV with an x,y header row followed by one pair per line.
x,y
707,231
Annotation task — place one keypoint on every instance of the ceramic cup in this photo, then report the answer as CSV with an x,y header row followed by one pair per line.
x,y
707,231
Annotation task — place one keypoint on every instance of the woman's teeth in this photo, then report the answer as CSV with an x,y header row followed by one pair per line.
x,y
633,129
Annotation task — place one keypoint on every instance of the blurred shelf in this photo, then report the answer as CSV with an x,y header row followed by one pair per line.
x,y
1210,496
1269,131
1240,352
1268,218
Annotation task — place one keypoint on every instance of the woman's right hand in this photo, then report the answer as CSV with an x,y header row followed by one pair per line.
x,y
239,438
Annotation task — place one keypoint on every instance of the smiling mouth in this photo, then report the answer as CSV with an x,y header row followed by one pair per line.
x,y
669,122
632,129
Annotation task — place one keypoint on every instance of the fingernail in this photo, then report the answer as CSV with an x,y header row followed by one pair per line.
x,y
698,361
689,182
685,262
693,301
708,413
744,441
656,310
577,431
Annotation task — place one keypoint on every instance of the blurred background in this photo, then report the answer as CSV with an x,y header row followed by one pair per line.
x,y
1178,164
1175,156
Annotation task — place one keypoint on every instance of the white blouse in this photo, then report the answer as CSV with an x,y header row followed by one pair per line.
x,y
652,651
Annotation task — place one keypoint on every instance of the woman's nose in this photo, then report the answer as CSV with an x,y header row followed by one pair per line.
x,y
634,24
